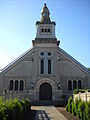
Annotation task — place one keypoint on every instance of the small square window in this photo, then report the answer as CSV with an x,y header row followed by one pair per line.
x,y
49,53
42,53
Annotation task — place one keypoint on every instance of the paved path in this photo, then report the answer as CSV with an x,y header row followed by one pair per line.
x,y
47,113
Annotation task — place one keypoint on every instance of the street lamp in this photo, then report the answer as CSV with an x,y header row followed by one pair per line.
x,y
32,85
58,86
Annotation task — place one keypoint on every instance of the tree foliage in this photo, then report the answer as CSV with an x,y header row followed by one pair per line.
x,y
89,69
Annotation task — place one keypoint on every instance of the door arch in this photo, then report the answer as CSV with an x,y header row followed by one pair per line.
x,y
45,91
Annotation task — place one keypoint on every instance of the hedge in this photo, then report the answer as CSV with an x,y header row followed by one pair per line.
x,y
76,91
14,109
79,108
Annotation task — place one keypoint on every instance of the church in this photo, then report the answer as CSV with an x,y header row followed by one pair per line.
x,y
45,72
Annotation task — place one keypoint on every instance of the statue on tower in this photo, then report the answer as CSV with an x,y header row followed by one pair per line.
x,y
45,15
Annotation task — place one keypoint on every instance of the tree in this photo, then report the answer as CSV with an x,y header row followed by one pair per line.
x,y
89,69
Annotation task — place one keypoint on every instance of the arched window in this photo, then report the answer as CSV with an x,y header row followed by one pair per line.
x,y
45,30
79,84
16,84
69,85
42,66
74,85
48,30
21,85
11,85
49,66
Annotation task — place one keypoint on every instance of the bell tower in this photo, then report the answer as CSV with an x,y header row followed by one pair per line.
x,y
45,28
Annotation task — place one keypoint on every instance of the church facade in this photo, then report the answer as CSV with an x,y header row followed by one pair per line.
x,y
44,72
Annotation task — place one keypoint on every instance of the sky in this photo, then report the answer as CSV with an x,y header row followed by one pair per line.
x,y
18,27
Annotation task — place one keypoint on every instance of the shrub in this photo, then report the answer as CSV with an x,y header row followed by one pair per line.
x,y
67,107
18,109
73,109
13,109
2,114
76,106
89,69
70,104
28,104
81,109
88,90
84,117
76,91
87,110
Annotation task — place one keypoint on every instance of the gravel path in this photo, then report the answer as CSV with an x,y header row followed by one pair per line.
x,y
48,113
67,114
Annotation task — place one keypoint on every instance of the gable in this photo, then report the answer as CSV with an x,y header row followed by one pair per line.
x,y
69,65
27,56
24,68
67,68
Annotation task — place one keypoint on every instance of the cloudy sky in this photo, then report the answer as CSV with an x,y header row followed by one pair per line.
x,y
17,27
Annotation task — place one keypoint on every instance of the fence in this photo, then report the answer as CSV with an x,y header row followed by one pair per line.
x,y
83,96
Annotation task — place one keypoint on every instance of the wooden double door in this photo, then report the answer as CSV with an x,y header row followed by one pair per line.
x,y
45,91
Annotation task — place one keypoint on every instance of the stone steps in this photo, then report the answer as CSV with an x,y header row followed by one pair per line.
x,y
49,103
42,103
